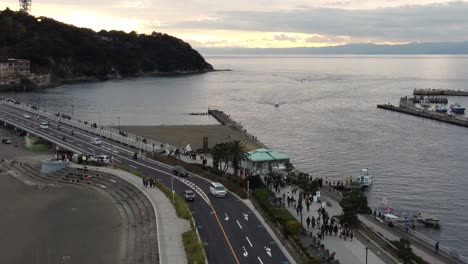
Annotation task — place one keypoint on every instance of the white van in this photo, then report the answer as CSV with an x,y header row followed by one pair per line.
x,y
103,158
44,125
217,189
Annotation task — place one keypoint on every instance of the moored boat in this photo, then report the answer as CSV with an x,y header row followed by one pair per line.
x,y
427,219
441,109
425,102
365,180
457,108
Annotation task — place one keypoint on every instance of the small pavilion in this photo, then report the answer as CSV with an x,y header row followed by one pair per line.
x,y
262,160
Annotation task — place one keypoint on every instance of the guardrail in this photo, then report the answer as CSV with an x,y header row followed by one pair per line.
x,y
128,139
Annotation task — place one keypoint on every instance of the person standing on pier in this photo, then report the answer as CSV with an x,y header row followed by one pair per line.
x,y
437,247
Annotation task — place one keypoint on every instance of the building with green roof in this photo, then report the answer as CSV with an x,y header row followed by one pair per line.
x,y
262,160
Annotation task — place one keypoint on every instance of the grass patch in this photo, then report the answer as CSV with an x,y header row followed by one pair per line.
x,y
193,247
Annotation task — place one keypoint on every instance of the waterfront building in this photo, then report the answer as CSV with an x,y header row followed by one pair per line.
x,y
262,160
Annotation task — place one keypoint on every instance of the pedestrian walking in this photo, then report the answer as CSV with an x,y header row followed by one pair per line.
x,y
308,222
351,235
437,247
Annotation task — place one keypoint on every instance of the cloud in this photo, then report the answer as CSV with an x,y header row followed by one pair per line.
x,y
284,37
431,22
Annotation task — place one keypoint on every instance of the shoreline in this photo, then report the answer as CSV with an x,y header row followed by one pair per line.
x,y
91,79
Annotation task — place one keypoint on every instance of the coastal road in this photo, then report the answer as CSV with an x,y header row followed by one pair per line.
x,y
230,231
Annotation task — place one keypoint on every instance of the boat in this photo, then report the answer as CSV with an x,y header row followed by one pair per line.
x,y
427,219
425,102
441,109
457,109
365,180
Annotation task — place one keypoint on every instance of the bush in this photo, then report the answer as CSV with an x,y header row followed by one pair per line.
x,y
292,227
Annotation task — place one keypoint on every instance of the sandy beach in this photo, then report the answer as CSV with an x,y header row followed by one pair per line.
x,y
180,136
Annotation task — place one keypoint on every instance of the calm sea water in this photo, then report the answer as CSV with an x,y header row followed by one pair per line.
x,y
327,120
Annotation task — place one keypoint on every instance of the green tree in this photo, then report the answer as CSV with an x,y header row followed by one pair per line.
x,y
354,203
237,153
220,154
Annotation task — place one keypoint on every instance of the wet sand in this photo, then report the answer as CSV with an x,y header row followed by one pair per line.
x,y
180,136
54,225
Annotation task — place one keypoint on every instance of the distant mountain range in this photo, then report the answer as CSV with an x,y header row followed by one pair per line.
x,y
358,49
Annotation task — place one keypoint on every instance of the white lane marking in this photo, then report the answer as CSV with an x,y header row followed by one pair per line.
x,y
132,166
249,241
268,250
227,217
246,216
259,259
245,252
239,224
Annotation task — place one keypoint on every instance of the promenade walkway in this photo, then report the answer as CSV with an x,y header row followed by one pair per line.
x,y
428,254
170,227
349,252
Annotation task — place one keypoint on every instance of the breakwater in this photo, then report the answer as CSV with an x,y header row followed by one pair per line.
x,y
226,120
426,114
434,92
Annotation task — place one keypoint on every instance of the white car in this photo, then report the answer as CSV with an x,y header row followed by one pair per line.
x,y
44,125
97,141
26,116
217,189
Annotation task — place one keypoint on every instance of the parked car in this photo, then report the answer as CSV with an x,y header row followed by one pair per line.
x,y
189,195
6,141
180,171
26,116
217,189
97,141
44,125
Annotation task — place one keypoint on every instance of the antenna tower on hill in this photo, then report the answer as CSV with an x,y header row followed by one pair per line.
x,y
25,6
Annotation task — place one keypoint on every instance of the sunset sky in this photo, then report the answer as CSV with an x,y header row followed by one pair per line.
x,y
268,23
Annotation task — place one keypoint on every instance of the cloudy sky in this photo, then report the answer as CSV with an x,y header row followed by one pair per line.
x,y
268,23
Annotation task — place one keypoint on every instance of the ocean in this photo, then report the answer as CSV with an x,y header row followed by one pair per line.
x,y
327,120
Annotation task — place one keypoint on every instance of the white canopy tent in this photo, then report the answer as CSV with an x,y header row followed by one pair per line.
x,y
188,148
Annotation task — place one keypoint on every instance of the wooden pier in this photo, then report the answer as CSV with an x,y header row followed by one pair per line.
x,y
439,92
426,114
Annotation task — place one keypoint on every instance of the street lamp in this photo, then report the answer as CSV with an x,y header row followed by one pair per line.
x,y
172,187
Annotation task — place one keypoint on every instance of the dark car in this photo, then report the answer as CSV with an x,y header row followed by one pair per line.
x,y
180,171
189,195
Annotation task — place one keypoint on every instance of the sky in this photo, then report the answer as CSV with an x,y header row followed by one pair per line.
x,y
268,23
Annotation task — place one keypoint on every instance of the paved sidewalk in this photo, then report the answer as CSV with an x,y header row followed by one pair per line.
x,y
170,227
349,252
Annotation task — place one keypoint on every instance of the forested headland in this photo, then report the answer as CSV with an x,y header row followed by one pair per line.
x,y
70,53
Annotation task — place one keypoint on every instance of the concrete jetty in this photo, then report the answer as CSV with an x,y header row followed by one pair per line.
x,y
407,107
434,92
226,120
